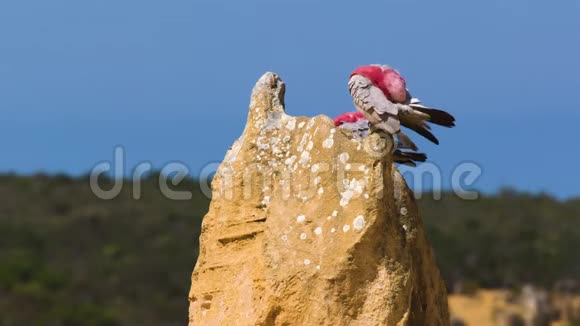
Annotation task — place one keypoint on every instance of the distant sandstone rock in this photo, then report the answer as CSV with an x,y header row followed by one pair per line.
x,y
310,227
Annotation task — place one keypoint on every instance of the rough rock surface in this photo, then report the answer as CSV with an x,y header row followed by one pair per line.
x,y
310,227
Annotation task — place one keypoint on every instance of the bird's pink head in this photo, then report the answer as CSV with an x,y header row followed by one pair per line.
x,y
387,79
348,117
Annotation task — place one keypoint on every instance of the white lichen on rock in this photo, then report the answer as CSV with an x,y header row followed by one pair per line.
x,y
353,187
291,160
315,168
304,158
343,158
328,143
359,223
291,124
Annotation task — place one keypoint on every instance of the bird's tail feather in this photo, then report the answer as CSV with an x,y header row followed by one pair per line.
x,y
405,142
408,158
436,116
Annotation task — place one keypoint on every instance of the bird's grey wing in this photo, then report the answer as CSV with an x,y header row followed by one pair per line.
x,y
374,105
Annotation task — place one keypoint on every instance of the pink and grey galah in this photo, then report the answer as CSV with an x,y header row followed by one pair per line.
x,y
380,94
359,126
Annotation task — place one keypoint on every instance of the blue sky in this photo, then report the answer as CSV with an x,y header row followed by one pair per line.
x,y
171,80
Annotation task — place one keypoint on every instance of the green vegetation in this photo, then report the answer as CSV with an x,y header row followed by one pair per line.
x,y
69,258
504,240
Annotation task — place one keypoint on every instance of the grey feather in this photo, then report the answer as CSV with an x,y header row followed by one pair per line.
x,y
360,129
374,105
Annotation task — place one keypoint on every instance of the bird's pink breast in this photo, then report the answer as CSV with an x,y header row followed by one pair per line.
x,y
396,85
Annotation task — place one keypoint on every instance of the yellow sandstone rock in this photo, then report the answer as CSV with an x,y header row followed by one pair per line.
x,y
310,227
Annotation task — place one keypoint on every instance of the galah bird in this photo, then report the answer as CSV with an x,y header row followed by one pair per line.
x,y
380,93
356,122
